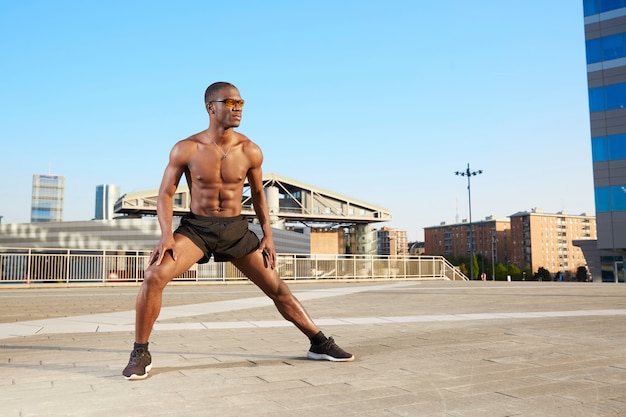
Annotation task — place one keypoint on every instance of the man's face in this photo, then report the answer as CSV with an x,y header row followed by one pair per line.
x,y
227,107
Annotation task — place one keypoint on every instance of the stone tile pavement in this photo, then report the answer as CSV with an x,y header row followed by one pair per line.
x,y
454,349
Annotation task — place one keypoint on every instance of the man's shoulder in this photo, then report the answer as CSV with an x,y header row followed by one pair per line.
x,y
195,138
192,140
250,148
184,149
245,141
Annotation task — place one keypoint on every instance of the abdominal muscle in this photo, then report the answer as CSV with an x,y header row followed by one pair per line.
x,y
218,202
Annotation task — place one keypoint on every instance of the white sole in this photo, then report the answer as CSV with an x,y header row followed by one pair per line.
x,y
135,377
325,357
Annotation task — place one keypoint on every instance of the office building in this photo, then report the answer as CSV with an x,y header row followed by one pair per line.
x,y
605,39
47,198
106,196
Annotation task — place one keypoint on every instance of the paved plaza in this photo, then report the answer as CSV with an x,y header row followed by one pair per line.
x,y
423,348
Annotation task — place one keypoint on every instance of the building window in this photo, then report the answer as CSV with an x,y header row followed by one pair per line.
x,y
613,47
605,49
608,148
608,5
615,96
599,149
618,198
592,7
594,50
610,97
617,146
596,99
603,199
610,198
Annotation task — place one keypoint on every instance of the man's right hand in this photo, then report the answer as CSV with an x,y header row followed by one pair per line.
x,y
164,245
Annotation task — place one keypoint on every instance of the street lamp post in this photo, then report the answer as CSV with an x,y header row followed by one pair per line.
x,y
469,173
493,255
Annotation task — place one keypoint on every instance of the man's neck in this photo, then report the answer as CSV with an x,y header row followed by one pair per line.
x,y
220,134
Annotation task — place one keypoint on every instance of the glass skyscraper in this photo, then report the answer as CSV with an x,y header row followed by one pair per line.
x,y
605,38
47,199
106,196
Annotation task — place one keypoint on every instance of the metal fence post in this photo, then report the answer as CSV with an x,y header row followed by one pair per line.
x,y
67,266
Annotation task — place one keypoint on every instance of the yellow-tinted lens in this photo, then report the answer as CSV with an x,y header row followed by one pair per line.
x,y
230,102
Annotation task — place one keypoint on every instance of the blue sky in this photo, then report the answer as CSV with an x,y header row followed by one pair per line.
x,y
379,101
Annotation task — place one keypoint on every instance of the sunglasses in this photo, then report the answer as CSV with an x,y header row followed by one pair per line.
x,y
229,102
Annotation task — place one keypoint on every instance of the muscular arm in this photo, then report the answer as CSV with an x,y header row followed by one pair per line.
x,y
255,180
165,211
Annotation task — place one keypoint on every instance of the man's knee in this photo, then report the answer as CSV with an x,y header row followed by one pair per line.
x,y
281,293
154,277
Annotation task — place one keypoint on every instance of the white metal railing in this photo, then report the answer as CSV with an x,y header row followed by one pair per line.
x,y
67,266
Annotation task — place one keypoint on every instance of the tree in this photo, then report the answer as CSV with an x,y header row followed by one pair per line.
x,y
463,262
476,269
500,271
581,274
543,274
514,272
464,269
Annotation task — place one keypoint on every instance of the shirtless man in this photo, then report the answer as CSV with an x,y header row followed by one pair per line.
x,y
216,163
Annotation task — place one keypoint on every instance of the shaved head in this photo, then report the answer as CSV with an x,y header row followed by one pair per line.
x,y
211,92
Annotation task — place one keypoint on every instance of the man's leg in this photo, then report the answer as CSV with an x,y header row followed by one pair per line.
x,y
149,299
156,277
267,279
254,267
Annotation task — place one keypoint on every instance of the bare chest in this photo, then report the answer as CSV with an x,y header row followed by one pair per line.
x,y
213,166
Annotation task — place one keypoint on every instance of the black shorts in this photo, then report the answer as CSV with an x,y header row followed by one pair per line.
x,y
226,238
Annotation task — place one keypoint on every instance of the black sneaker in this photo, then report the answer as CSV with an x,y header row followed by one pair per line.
x,y
139,364
329,351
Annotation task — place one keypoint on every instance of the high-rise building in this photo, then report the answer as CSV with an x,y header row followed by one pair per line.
x,y
47,198
106,196
546,240
605,38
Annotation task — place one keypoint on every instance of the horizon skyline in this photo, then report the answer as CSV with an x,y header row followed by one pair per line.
x,y
457,221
